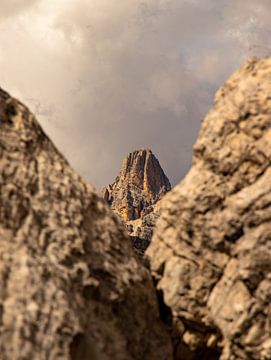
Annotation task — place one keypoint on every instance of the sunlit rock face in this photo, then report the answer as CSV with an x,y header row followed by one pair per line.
x,y
135,195
71,286
211,252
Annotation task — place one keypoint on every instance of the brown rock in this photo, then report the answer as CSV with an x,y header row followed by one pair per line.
x,y
135,194
70,285
211,252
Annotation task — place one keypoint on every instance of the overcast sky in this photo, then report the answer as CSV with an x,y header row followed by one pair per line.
x,y
105,77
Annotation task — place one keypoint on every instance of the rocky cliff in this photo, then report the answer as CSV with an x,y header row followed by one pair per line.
x,y
70,285
211,252
135,195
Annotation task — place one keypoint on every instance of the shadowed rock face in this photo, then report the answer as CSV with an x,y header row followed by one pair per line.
x,y
211,252
70,285
135,195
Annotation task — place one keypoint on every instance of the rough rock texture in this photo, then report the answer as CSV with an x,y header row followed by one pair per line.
x,y
211,253
135,195
141,230
70,285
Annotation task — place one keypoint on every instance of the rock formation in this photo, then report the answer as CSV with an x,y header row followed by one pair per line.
x,y
70,285
135,195
211,252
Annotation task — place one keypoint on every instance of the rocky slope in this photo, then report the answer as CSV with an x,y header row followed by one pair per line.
x,y
135,195
70,285
211,252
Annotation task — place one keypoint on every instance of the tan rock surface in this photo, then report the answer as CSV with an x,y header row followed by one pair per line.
x,y
135,195
211,252
70,285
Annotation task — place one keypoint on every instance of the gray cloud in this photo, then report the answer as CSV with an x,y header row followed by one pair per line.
x,y
14,7
106,77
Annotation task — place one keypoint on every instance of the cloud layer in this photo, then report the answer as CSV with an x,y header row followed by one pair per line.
x,y
105,77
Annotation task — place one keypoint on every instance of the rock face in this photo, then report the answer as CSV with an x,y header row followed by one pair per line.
x,y
135,195
211,252
70,285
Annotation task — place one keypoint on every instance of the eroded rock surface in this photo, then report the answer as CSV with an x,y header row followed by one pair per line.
x,y
135,195
211,252
70,285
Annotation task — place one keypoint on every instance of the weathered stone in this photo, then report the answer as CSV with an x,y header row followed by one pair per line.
x,y
135,195
70,285
211,252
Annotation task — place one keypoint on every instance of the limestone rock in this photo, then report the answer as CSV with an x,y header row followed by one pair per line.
x,y
211,252
70,285
135,195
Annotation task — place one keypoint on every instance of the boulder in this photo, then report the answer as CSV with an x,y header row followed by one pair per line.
x,y
211,251
70,284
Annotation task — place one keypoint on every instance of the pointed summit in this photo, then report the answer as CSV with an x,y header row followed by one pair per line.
x,y
142,169
135,193
141,183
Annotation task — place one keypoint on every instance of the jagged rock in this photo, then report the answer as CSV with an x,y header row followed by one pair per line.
x,y
141,230
135,195
139,185
70,285
211,252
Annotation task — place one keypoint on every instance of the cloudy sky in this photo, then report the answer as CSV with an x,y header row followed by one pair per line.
x,y
105,77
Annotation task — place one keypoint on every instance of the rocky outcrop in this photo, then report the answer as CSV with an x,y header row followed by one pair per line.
x,y
135,194
211,252
70,285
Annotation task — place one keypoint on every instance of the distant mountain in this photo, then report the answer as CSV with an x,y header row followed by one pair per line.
x,y
135,195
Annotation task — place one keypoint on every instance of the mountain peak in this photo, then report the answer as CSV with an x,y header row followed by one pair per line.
x,y
141,183
135,195
141,168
